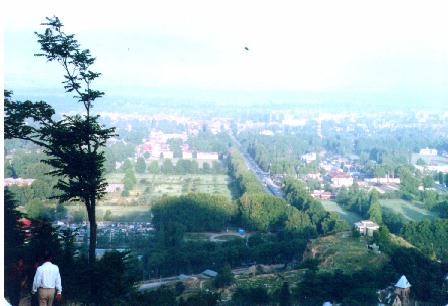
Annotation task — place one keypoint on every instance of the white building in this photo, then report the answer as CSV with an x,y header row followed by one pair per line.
x,y
207,156
18,181
309,157
187,155
341,179
367,227
114,187
383,180
168,154
267,133
428,152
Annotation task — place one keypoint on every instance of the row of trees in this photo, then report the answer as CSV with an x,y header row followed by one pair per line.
x,y
365,204
280,154
205,140
261,211
431,237
182,167
322,222
195,212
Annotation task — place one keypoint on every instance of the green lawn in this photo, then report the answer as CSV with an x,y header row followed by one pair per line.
x,y
413,211
349,216
118,212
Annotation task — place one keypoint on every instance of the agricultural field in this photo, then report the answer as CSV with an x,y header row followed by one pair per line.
x,y
154,186
413,211
149,188
341,251
270,281
348,216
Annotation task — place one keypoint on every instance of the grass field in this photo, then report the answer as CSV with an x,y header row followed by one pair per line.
x,y
341,251
348,216
156,186
413,211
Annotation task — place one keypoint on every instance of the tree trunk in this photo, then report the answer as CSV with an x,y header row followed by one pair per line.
x,y
92,246
92,236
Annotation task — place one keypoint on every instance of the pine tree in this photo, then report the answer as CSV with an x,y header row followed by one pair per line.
x,y
140,165
375,213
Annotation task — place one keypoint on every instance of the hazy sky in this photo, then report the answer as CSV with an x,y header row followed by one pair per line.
x,y
384,48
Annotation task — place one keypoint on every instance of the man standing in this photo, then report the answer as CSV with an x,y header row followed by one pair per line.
x,y
46,281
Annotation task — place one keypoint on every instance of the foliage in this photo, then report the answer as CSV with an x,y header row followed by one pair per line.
x,y
284,295
323,221
245,180
14,233
267,213
129,179
442,209
358,288
251,296
36,210
140,165
431,237
425,275
163,296
195,256
196,211
201,299
207,141
280,154
167,167
114,279
375,213
117,152
73,144
154,167
393,220
225,277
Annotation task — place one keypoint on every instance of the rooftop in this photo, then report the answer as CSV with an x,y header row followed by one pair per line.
x,y
403,283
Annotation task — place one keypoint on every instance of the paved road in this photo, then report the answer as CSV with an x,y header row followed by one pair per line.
x,y
262,176
158,282
215,237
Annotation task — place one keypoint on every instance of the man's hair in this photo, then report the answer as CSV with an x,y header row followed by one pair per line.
x,y
48,256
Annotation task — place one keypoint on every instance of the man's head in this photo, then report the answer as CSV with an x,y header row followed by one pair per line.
x,y
48,256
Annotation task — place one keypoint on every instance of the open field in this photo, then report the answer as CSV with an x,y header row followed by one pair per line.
x,y
150,188
341,251
118,213
348,216
154,186
413,211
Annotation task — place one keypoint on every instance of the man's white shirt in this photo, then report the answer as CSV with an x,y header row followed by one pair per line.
x,y
47,276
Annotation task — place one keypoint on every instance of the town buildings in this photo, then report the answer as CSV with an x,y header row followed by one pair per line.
x,y
340,179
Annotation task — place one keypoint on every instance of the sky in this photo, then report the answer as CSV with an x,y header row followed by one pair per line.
x,y
360,50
